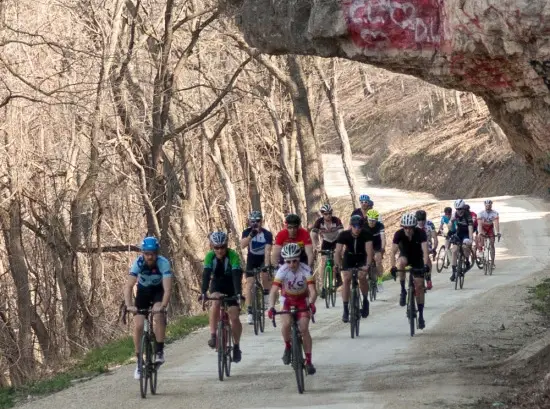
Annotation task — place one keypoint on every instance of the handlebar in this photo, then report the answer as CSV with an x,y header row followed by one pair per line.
x,y
145,311
222,298
290,312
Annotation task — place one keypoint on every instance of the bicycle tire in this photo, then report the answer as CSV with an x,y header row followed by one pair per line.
x,y
352,320
298,358
440,262
357,313
490,261
221,350
143,359
261,308
460,270
332,292
154,374
255,307
228,350
327,286
412,311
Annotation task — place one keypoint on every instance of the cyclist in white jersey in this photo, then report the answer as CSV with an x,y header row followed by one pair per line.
x,y
490,226
428,226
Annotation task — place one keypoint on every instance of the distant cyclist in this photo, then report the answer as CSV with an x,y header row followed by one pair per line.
x,y
475,224
293,233
464,232
153,275
258,241
354,249
298,285
222,269
411,243
490,226
376,229
429,228
326,229
366,205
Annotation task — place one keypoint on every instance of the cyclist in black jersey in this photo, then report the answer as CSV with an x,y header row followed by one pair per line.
x,y
465,232
411,243
376,229
359,253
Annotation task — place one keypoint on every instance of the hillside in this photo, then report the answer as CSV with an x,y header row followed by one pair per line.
x,y
412,136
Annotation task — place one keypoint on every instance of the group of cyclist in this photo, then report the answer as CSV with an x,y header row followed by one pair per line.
x,y
291,256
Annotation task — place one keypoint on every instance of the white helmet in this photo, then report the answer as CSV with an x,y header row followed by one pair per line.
x,y
459,204
291,250
408,220
218,238
326,208
488,202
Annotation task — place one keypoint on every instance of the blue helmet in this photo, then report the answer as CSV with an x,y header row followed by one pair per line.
x,y
364,198
150,244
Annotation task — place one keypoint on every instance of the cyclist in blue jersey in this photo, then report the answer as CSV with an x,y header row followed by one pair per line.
x,y
451,228
153,275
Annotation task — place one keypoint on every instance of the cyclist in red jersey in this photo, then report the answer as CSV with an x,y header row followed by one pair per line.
x,y
474,220
293,233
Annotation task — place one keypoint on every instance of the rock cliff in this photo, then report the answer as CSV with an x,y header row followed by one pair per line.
x,y
498,49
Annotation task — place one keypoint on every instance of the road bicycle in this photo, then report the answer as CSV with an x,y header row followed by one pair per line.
x,y
328,278
354,304
296,350
443,258
412,308
258,301
485,261
224,335
461,262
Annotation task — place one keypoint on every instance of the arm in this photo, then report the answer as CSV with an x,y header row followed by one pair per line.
x,y
383,239
425,254
315,237
496,223
436,242
273,295
338,254
237,280
309,251
369,248
167,285
312,293
207,272
128,287
394,251
245,241
275,254
471,232
267,256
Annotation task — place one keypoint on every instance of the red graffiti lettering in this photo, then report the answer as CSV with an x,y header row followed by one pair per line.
x,y
485,73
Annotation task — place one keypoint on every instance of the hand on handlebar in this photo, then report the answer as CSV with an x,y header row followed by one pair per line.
x,y
312,308
132,309
271,313
393,272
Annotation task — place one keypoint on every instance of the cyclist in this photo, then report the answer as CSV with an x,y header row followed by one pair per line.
x,y
464,232
366,205
451,228
490,225
359,253
258,241
475,224
376,229
295,278
293,233
326,229
429,228
153,275
222,268
411,243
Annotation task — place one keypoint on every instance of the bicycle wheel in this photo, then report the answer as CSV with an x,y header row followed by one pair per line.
x,y
221,349
461,269
490,261
298,358
332,291
228,350
357,313
144,359
412,310
260,305
254,303
153,376
327,286
352,319
440,262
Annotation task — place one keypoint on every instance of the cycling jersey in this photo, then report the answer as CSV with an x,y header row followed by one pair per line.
x,y
376,233
330,230
411,248
294,284
355,254
428,229
445,220
462,223
225,273
256,247
302,239
488,217
474,220
148,276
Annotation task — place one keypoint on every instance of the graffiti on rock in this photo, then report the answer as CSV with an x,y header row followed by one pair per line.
x,y
542,68
401,24
485,73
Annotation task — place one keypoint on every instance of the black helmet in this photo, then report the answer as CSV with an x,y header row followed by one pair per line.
x,y
420,215
293,220
448,210
467,207
356,219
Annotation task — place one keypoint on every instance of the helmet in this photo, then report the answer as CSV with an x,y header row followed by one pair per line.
x,y
420,215
356,219
218,238
459,204
293,220
408,220
448,210
373,214
488,202
467,207
291,250
255,216
150,244
326,208
364,198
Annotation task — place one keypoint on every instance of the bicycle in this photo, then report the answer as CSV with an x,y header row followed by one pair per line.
x,y
354,304
258,302
148,373
224,336
443,259
485,259
328,279
411,298
296,350
373,281
461,262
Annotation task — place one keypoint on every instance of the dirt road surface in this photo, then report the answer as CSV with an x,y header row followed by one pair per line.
x,y
383,368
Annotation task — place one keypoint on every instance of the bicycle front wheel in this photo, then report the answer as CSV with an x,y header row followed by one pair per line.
x,y
260,303
153,377
352,319
144,357
298,358
228,350
327,285
255,311
411,305
221,349
441,255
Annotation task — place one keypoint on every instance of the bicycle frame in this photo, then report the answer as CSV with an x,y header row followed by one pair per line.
x,y
354,303
257,302
328,278
411,298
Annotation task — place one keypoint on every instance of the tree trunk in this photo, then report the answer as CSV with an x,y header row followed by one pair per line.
x,y
475,103
367,88
459,111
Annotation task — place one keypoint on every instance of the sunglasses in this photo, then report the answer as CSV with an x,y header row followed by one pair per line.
x,y
148,254
372,220
357,226
294,260
365,202
292,227
255,220
408,227
219,247
325,213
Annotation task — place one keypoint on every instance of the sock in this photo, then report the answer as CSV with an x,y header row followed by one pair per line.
x,y
137,355
287,344
160,347
308,358
236,347
402,286
365,299
346,305
421,310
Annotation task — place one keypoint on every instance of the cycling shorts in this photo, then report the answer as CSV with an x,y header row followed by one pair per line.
x,y
327,245
353,260
488,231
300,303
229,290
251,264
415,261
147,296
